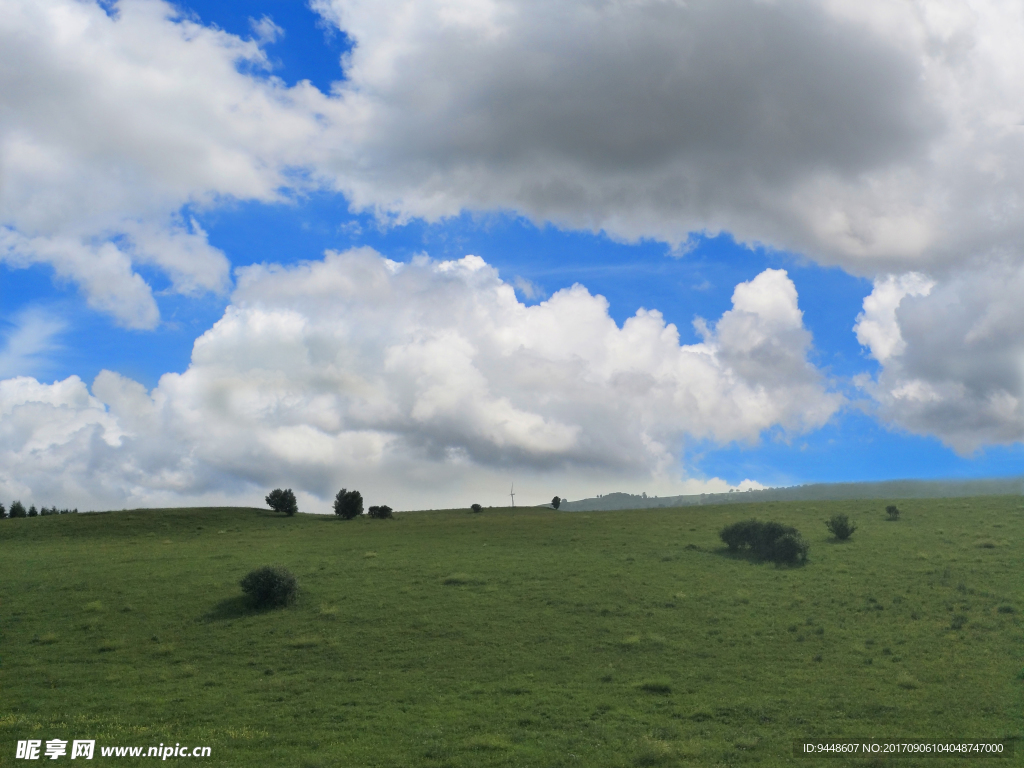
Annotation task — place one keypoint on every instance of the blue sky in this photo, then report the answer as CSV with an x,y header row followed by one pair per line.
x,y
857,324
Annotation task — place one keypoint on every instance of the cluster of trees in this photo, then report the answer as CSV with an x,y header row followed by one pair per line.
x,y
18,510
766,541
347,504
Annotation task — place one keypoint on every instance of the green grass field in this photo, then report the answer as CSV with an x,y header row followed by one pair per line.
x,y
513,637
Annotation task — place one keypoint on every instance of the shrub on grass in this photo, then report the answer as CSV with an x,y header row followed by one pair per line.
x,y
283,501
18,509
767,541
269,586
790,548
382,512
893,512
476,508
840,526
741,534
348,504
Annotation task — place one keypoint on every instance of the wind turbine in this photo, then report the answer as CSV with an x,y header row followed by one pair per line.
x,y
512,493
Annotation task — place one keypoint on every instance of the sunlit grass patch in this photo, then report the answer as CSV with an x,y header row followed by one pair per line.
x,y
304,641
94,606
48,638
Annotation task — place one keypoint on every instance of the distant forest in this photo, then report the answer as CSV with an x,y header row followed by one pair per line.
x,y
890,489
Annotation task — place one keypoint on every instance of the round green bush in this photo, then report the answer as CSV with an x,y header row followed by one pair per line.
x,y
270,586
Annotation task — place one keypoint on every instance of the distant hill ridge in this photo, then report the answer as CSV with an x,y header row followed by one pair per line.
x,y
889,489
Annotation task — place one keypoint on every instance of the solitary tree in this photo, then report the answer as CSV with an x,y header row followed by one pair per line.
x,y
893,512
348,504
17,509
476,508
556,502
32,511
283,501
383,512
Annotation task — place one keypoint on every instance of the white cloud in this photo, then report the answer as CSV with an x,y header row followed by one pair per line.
x,y
882,137
29,344
877,327
887,138
420,382
952,354
109,124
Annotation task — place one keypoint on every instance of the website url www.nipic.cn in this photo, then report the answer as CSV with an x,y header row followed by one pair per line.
x,y
53,749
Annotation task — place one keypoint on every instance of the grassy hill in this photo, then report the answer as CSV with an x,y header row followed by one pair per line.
x,y
885,489
512,637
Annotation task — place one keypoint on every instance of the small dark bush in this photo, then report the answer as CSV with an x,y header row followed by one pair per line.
x,y
18,509
477,508
348,504
840,526
556,502
283,501
790,548
742,534
32,511
893,512
269,586
767,541
382,512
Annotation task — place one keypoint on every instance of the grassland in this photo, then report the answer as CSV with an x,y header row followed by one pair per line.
x,y
513,637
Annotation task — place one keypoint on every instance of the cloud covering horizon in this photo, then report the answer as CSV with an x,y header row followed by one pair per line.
x,y
416,379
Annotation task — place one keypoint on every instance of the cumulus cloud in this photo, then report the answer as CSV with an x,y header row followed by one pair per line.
x,y
882,137
874,135
413,380
952,354
877,327
887,138
109,124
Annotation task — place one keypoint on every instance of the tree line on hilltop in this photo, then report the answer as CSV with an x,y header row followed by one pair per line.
x,y
18,510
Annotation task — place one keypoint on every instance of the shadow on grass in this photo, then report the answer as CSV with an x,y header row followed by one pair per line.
x,y
749,556
231,608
